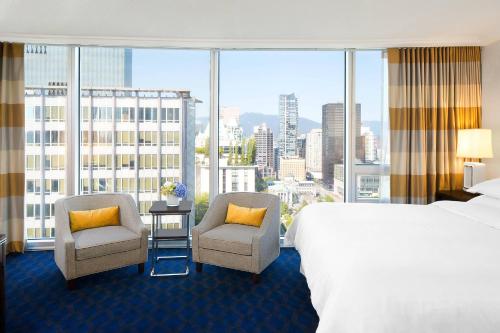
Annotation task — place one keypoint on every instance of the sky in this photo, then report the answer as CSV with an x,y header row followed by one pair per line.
x,y
253,80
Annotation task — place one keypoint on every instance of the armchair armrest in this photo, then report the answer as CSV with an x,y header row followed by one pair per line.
x,y
215,216
265,243
130,217
64,250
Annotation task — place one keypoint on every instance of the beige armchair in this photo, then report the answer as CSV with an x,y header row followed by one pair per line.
x,y
96,250
237,246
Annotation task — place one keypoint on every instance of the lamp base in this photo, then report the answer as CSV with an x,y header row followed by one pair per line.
x,y
474,172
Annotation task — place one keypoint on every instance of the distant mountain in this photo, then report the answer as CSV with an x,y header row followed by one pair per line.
x,y
249,120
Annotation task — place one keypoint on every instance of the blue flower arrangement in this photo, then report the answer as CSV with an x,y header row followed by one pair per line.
x,y
177,189
180,190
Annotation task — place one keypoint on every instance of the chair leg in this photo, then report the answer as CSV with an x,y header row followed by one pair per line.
x,y
71,284
255,278
140,268
199,267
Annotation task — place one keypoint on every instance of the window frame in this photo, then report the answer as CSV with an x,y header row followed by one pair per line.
x,y
73,138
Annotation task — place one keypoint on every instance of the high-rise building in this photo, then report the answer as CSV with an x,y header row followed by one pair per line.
x,y
370,145
338,175
333,138
46,65
276,151
293,167
314,152
264,153
301,146
289,117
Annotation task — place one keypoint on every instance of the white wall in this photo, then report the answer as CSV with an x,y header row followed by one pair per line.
x,y
491,103
252,23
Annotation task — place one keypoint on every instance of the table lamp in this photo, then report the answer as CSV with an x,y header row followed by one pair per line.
x,y
474,143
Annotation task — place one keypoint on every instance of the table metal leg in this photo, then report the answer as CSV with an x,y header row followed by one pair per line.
x,y
153,245
187,243
157,258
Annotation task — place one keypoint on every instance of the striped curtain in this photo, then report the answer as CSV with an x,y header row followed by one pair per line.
x,y
433,92
12,145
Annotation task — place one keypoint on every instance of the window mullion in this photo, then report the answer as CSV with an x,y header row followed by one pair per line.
x,y
349,123
42,162
72,167
214,124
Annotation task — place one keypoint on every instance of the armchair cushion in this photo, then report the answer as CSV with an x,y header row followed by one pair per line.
x,y
232,238
98,242
245,215
94,218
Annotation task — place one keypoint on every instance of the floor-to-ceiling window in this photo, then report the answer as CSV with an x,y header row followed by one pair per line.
x,y
46,105
370,163
281,126
144,119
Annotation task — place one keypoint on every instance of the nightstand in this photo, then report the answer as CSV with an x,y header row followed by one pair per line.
x,y
455,195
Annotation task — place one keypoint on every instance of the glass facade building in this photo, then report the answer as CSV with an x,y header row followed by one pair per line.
x,y
47,65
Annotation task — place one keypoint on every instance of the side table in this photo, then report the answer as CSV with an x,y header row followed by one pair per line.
x,y
157,210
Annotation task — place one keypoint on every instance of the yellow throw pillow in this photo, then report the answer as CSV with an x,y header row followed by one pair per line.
x,y
96,218
244,215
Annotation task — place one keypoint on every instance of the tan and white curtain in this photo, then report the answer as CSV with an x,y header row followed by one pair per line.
x,y
12,145
433,92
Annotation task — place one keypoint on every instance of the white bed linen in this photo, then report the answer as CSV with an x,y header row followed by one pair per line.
x,y
401,268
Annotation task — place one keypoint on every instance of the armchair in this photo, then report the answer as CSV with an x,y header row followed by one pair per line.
x,y
96,250
235,246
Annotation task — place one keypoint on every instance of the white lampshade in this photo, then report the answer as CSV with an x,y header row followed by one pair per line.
x,y
474,143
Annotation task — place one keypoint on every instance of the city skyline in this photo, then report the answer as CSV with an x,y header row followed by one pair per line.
x,y
316,77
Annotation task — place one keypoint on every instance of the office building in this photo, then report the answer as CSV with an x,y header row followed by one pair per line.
x,y
132,141
232,178
47,64
289,117
264,153
294,167
314,152
301,146
369,145
333,138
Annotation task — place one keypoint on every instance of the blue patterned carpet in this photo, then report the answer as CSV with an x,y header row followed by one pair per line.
x,y
217,300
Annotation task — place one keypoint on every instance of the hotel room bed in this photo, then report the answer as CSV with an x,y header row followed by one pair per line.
x,y
402,268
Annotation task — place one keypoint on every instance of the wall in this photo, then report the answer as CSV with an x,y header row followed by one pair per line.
x,y
491,103
251,24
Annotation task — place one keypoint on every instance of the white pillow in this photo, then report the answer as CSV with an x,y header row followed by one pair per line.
x,y
490,188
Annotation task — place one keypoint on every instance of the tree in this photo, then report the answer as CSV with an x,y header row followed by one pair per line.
x,y
237,156
283,208
260,184
205,150
250,153
200,207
